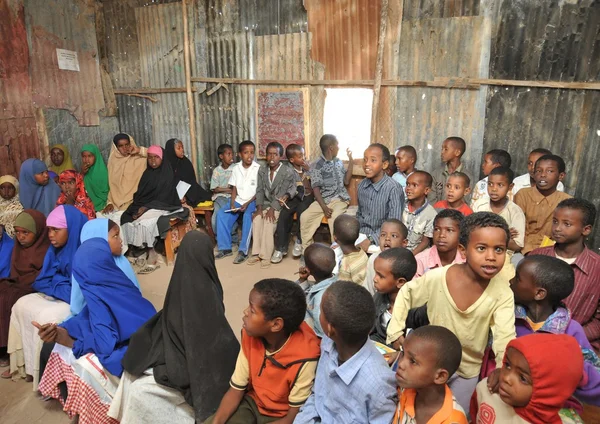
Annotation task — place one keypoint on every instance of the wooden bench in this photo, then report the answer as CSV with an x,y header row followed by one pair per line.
x,y
171,246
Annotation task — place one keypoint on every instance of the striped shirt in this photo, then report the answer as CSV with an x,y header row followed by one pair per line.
x,y
376,203
584,301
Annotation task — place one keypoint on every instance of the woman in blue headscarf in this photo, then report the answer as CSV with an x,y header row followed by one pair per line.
x,y
6,248
53,285
37,190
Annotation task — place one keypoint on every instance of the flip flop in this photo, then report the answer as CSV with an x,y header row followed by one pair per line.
x,y
265,264
253,260
6,375
148,269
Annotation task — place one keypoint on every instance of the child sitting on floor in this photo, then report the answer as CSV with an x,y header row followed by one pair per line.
x,y
445,249
418,213
393,268
493,159
430,357
320,261
393,234
540,286
353,266
276,366
475,298
354,383
406,158
457,187
539,373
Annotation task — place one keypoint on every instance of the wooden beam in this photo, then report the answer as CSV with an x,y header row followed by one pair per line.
x,y
151,90
188,85
378,68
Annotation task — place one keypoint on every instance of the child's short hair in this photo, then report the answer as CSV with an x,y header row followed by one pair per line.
x,y
452,214
462,175
408,149
320,260
426,175
459,143
292,149
222,147
346,229
481,220
326,141
282,299
587,209
385,152
448,348
277,145
504,171
560,163
350,309
500,157
400,224
244,144
554,275
404,264
541,150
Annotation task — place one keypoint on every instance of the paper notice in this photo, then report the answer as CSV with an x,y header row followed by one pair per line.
x,y
67,60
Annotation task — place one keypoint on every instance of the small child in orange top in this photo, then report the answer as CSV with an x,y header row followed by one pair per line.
x,y
430,356
457,187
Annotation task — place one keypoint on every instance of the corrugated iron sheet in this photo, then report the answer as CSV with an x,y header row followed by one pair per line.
x,y
433,48
135,118
69,25
270,17
424,9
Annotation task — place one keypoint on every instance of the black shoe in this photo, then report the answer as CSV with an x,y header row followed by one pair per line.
x,y
240,258
223,253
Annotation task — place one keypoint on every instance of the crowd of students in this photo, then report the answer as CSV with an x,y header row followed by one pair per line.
x,y
436,301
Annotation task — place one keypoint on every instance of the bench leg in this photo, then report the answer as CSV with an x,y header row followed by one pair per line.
x,y
169,250
209,229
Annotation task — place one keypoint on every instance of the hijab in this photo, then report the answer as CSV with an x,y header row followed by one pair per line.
x,y
96,178
26,263
98,228
124,173
556,365
9,209
6,249
33,195
82,201
114,309
184,171
156,190
55,277
67,162
189,344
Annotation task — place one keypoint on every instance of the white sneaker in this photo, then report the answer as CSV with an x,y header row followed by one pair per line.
x,y
297,251
276,257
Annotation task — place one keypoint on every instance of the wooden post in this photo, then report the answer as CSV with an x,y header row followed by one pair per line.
x,y
188,85
379,68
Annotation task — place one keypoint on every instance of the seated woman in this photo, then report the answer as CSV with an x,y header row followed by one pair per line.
x,y
10,206
93,342
51,303
156,196
73,193
26,262
184,171
95,175
60,159
6,247
37,190
178,364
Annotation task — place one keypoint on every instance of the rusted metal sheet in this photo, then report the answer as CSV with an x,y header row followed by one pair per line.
x,y
345,36
68,25
18,142
433,48
270,17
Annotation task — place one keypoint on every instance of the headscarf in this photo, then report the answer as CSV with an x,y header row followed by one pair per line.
x,y
115,307
98,228
55,278
184,171
96,178
155,150
124,173
556,365
6,248
33,195
9,209
67,162
157,190
26,263
182,341
82,201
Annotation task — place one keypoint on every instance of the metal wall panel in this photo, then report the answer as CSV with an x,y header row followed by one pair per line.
x,y
273,17
135,118
426,9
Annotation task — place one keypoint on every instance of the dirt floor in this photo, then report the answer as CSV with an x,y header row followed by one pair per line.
x,y
19,404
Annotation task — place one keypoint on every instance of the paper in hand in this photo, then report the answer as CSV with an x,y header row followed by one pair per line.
x,y
182,188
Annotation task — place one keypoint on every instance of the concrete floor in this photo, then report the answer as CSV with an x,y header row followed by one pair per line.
x,y
19,404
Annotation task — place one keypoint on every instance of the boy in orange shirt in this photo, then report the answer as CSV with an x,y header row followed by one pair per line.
x,y
457,187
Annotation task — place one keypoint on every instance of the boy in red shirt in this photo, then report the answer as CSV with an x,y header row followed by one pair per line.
x,y
457,187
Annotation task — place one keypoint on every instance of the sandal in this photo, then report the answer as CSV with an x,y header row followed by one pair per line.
x,y
265,264
148,269
6,374
4,362
253,260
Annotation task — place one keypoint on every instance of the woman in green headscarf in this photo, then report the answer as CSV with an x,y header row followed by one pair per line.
x,y
95,175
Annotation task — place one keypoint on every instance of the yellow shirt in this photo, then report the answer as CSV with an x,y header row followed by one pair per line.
x,y
495,310
354,267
